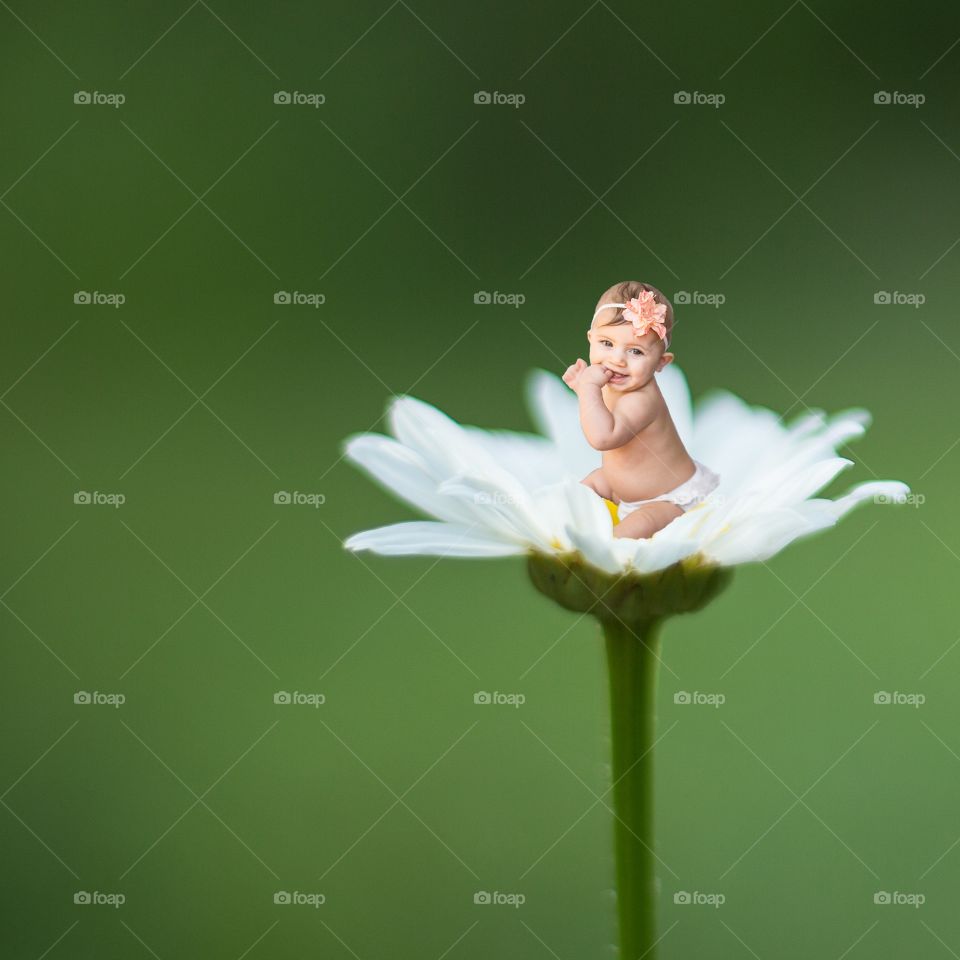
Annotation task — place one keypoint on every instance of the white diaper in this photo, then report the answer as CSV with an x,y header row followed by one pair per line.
x,y
687,495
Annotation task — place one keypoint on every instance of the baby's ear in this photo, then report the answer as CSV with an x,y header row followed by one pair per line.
x,y
664,360
590,334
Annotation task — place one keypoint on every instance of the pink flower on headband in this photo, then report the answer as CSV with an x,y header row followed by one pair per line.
x,y
646,314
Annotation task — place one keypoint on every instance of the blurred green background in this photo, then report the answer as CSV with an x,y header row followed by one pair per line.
x,y
397,199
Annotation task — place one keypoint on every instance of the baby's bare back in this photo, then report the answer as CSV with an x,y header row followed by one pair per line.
x,y
655,461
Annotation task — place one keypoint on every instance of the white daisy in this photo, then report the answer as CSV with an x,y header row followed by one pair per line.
x,y
497,492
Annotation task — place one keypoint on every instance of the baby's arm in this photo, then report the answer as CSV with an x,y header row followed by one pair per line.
x,y
603,429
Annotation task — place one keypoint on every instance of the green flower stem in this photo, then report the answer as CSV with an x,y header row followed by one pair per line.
x,y
632,661
631,608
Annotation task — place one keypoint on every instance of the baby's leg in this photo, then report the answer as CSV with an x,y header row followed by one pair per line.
x,y
645,521
597,482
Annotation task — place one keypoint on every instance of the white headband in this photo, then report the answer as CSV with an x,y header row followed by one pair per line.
x,y
604,307
665,338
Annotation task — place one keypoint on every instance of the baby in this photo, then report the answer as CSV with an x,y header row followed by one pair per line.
x,y
646,469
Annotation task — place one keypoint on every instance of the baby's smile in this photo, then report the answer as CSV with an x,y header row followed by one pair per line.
x,y
631,360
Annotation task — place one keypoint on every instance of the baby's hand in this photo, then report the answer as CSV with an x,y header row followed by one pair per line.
x,y
596,373
573,374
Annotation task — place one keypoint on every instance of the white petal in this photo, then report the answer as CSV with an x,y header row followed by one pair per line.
x,y
827,512
789,485
590,527
857,414
510,514
798,453
757,537
588,512
430,537
441,441
766,533
596,551
532,459
403,472
659,551
555,411
729,437
806,424
447,448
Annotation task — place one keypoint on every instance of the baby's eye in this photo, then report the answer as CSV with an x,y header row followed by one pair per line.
x,y
606,343
637,351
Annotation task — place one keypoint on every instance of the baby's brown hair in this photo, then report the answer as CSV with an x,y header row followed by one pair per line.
x,y
623,293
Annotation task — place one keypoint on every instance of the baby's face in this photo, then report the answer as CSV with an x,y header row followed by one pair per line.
x,y
632,361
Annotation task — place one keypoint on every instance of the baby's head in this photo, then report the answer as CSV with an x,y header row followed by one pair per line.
x,y
614,343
